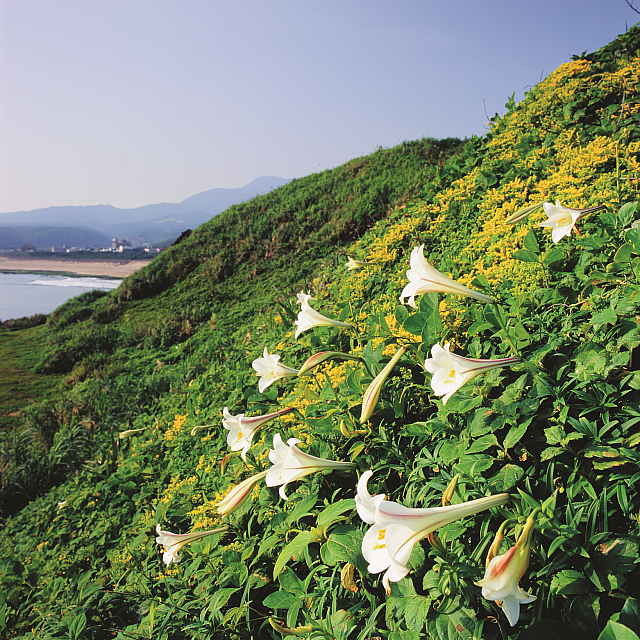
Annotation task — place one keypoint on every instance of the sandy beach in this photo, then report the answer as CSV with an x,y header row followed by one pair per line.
x,y
101,268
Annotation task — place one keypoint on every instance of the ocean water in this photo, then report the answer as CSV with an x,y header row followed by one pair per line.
x,y
23,294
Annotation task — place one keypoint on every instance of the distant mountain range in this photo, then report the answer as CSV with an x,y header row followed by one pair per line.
x,y
98,224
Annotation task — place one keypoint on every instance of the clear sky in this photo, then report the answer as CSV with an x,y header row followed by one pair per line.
x,y
134,102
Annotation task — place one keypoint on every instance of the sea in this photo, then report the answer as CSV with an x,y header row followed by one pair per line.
x,y
24,294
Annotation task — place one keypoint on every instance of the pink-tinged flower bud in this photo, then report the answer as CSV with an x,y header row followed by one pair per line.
x,y
239,494
372,393
504,572
321,357
424,278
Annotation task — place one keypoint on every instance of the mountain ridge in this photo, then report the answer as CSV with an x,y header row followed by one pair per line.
x,y
148,223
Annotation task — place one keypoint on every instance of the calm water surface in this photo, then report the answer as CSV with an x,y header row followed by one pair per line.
x,y
23,294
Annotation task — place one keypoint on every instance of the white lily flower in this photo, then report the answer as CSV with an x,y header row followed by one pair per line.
x,y
449,372
366,504
173,542
239,494
290,464
270,370
562,219
504,572
242,430
388,544
309,318
352,264
424,278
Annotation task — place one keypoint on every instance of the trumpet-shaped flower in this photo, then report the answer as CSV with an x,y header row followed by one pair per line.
x,y
242,430
449,372
395,529
270,370
504,572
372,392
239,494
424,278
352,264
290,464
173,542
309,318
562,220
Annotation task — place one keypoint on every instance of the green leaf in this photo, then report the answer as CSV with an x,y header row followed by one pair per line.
x,y
458,624
415,323
531,243
331,514
290,582
623,254
515,435
617,631
280,600
507,477
524,255
344,545
569,582
608,316
77,626
294,548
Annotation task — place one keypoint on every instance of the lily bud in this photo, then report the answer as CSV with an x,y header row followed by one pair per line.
x,y
504,572
372,393
448,492
321,357
239,494
522,213
290,631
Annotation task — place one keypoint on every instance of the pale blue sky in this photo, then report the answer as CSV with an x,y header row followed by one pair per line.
x,y
133,102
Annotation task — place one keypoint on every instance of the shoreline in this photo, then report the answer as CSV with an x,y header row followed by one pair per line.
x,y
99,268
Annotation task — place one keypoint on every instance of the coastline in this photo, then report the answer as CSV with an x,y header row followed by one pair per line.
x,y
99,268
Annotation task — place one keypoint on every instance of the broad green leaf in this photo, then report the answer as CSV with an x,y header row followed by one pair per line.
x,y
569,582
507,477
344,545
290,582
617,631
280,600
608,316
623,254
415,323
333,512
531,243
515,435
294,548
524,255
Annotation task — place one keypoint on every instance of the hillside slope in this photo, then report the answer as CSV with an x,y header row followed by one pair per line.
x,y
546,433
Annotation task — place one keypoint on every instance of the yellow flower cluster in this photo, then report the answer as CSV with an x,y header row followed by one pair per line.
x,y
175,429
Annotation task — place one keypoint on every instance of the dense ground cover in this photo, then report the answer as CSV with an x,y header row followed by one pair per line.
x,y
150,367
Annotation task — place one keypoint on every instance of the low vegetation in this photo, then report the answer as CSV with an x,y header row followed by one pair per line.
x,y
134,441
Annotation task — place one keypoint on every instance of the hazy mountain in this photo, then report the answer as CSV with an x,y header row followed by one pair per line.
x,y
13,237
150,223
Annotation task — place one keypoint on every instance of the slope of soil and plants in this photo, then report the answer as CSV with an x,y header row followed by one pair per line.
x,y
135,438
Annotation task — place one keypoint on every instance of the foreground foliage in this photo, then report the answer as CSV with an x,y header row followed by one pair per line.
x,y
556,431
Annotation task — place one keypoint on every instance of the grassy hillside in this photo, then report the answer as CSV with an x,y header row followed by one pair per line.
x,y
552,434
